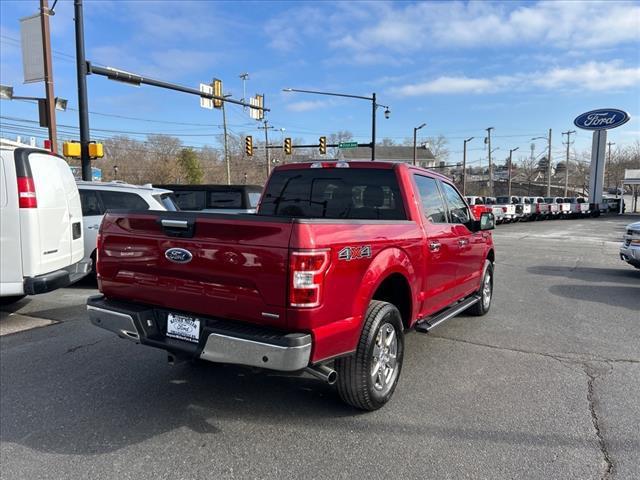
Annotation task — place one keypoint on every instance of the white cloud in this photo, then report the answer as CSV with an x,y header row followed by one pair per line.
x,y
307,105
592,76
410,28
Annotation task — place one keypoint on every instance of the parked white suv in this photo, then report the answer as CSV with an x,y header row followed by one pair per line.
x,y
41,244
630,249
98,197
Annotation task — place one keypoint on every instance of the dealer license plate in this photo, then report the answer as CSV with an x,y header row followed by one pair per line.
x,y
183,327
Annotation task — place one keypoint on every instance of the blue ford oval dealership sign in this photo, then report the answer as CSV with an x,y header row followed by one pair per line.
x,y
602,119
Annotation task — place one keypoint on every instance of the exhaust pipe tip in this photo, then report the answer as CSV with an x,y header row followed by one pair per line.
x,y
324,373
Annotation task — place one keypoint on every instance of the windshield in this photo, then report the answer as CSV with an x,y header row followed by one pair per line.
x,y
167,200
333,193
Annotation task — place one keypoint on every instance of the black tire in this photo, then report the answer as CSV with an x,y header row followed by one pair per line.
x,y
355,383
482,307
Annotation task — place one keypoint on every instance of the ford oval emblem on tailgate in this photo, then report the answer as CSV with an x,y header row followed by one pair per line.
x,y
178,255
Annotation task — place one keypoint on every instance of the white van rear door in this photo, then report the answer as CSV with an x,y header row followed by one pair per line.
x,y
10,254
52,222
75,211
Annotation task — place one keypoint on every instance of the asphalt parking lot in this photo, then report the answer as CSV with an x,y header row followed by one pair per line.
x,y
545,386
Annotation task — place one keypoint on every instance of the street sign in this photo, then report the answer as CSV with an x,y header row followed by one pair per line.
x,y
602,119
206,102
345,145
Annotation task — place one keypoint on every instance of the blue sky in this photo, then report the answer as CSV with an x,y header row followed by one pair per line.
x,y
521,67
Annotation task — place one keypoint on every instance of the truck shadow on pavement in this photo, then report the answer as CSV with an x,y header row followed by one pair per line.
x,y
615,296
590,274
107,405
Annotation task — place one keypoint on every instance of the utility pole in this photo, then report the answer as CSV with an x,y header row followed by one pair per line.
x,y
415,140
226,148
608,166
244,77
83,109
464,166
373,127
48,74
266,145
566,163
549,168
509,171
488,142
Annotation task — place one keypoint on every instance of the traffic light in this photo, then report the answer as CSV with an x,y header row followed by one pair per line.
x,y
248,145
323,145
288,148
96,150
71,149
217,91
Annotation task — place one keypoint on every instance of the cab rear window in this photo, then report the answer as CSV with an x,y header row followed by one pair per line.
x,y
335,193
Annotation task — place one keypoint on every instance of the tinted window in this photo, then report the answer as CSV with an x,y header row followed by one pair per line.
x,y
190,200
90,203
122,201
431,199
167,200
333,193
228,199
503,200
458,211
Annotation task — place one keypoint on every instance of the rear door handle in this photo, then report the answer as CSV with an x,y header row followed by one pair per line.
x,y
93,227
434,245
175,223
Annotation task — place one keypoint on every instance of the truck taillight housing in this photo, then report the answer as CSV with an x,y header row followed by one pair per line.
x,y
307,270
504,209
27,193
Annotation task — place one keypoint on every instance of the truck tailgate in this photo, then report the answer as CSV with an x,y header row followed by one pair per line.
x,y
215,265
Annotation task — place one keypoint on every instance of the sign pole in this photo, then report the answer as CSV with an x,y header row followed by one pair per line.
x,y
48,75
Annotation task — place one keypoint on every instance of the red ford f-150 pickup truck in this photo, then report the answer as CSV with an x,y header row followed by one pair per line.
x,y
339,261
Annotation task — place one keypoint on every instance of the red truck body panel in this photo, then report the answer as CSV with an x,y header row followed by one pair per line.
x,y
240,265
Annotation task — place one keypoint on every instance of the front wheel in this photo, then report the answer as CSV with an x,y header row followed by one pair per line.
x,y
368,378
485,292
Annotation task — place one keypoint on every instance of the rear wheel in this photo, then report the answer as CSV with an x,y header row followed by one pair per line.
x,y
367,379
485,292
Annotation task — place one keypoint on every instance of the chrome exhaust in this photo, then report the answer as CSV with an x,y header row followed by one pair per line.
x,y
323,372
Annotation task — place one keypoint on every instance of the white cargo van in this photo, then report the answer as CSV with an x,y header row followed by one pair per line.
x,y
41,242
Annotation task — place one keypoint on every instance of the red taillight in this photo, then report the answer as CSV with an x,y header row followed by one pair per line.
x,y
27,193
504,209
307,269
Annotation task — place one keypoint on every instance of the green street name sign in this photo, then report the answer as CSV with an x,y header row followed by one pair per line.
x,y
348,145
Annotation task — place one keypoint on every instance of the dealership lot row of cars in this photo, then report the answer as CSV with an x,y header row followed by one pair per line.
x,y
511,209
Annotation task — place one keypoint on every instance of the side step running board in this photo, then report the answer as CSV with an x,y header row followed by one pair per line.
x,y
431,322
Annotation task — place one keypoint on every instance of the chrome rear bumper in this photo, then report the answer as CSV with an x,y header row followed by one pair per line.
x,y
220,341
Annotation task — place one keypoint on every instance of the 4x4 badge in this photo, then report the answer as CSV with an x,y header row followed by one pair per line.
x,y
354,253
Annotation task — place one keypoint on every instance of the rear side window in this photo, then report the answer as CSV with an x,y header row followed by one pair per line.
x,y
90,203
225,199
191,200
431,199
458,210
334,193
122,201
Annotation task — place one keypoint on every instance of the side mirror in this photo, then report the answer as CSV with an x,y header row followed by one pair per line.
x,y
487,221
